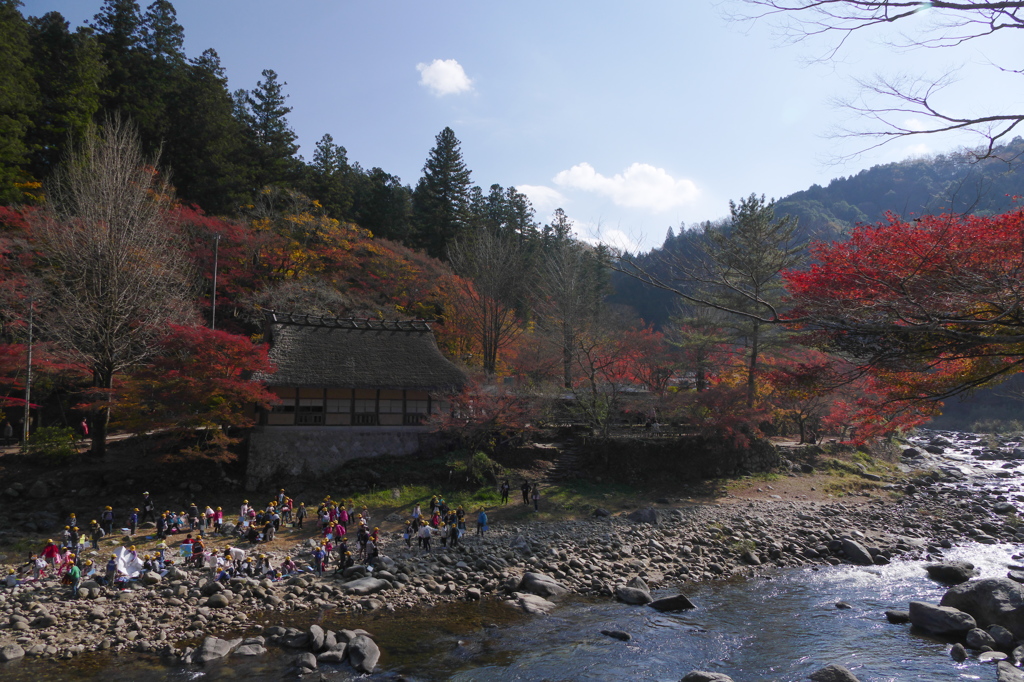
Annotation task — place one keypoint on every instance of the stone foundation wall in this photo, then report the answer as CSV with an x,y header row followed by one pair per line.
x,y
295,452
686,458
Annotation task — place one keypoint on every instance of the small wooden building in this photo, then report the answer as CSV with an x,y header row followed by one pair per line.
x,y
346,388
355,372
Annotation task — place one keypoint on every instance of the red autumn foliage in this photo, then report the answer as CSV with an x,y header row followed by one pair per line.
x,y
929,307
200,380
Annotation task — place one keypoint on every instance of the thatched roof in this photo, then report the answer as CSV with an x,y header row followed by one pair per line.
x,y
324,352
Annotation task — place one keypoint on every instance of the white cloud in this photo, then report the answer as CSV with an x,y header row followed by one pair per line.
x,y
444,77
916,151
639,186
544,199
617,239
914,124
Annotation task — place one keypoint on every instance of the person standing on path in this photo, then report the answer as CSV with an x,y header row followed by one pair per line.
x,y
481,522
525,487
536,498
504,490
148,508
75,575
8,433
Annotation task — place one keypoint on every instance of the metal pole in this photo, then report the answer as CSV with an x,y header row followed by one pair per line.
x,y
213,311
28,377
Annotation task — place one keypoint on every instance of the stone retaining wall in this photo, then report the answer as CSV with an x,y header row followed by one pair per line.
x,y
283,451
684,458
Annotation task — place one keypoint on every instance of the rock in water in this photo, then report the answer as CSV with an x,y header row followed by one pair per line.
x,y
979,639
250,650
531,603
306,661
542,585
702,676
1007,673
897,617
951,572
856,553
213,649
617,634
677,603
940,620
833,673
958,653
317,638
363,654
991,601
632,595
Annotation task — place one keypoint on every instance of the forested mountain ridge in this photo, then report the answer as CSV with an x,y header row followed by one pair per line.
x,y
945,183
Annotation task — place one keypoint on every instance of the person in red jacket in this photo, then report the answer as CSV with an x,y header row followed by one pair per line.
x,y
51,552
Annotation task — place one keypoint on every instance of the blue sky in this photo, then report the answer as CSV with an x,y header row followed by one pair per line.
x,y
633,117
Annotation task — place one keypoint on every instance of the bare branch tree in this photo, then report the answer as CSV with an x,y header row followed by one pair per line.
x,y
115,272
570,289
492,268
946,24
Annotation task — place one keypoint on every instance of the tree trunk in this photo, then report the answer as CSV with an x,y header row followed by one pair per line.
x,y
567,348
101,417
752,370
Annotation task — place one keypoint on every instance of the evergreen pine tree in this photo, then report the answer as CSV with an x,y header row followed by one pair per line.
x,y
204,143
382,204
271,138
19,97
331,178
441,200
68,70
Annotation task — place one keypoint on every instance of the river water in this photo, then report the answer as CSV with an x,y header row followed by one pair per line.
x,y
780,627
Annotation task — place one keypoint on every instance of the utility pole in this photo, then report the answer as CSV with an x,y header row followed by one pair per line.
x,y
28,377
213,307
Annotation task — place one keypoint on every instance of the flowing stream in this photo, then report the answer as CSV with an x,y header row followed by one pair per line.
x,y
780,627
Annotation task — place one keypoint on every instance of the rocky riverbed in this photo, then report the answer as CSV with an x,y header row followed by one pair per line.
x,y
529,567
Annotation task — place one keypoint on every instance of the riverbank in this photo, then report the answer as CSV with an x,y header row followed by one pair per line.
x,y
757,527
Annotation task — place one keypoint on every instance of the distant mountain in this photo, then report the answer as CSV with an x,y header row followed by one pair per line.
x,y
944,183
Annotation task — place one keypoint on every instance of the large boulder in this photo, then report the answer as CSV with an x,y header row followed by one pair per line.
x,y
940,620
833,673
213,649
363,653
991,601
677,603
632,595
951,572
542,585
364,586
856,553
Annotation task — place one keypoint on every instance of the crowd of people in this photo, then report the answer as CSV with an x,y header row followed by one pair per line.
x,y
335,521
